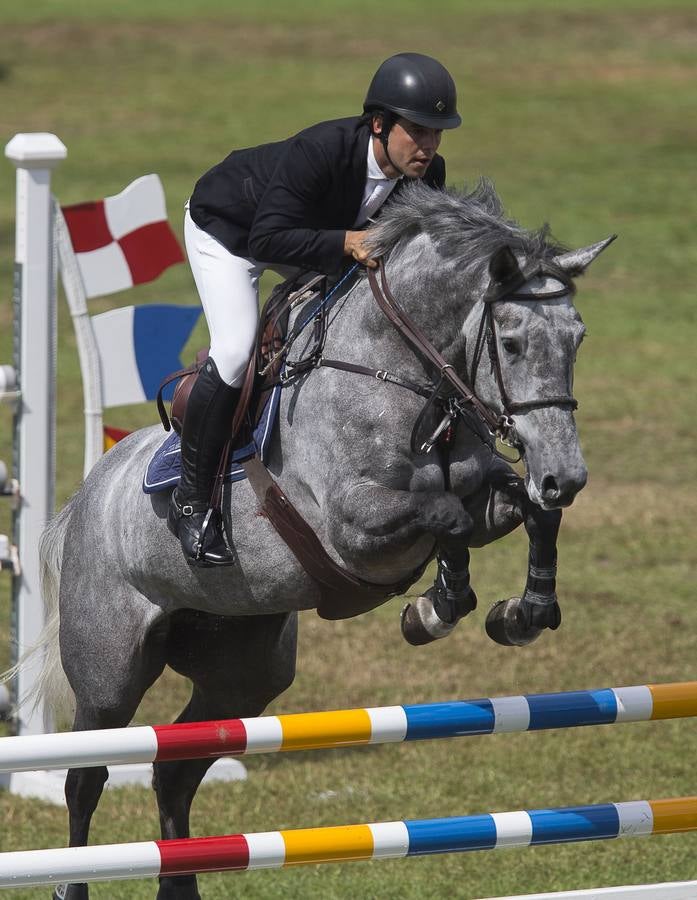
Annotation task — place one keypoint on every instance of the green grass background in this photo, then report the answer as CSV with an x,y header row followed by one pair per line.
x,y
584,115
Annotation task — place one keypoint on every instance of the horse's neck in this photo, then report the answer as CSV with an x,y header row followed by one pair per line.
x,y
358,332
317,412
361,332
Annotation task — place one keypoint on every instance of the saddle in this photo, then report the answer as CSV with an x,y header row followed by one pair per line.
x,y
264,366
342,594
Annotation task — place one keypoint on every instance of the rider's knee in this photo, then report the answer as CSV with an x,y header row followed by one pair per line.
x,y
231,362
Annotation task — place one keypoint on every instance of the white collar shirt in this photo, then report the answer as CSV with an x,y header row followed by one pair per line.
x,y
378,188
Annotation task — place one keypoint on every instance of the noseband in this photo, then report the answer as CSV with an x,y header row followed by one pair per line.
x,y
464,398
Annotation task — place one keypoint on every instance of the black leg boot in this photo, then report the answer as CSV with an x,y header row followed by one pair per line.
x,y
207,427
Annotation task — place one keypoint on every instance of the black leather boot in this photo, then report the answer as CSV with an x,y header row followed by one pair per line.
x,y
207,427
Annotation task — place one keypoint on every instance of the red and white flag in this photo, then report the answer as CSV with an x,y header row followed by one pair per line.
x,y
123,240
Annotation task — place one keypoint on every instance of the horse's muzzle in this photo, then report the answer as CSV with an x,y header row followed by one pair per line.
x,y
556,492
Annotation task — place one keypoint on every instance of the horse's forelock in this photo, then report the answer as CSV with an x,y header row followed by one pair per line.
x,y
467,227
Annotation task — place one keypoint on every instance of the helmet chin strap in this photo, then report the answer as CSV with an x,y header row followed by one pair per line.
x,y
384,135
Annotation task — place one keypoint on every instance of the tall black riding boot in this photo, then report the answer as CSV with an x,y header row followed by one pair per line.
x,y
207,427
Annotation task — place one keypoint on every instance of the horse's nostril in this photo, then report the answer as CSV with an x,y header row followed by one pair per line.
x,y
550,488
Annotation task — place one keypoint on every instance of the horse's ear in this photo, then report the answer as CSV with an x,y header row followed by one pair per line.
x,y
575,262
503,266
504,272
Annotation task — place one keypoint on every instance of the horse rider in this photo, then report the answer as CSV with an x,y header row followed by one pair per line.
x,y
298,203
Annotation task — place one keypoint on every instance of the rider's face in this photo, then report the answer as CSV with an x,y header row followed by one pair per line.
x,y
411,148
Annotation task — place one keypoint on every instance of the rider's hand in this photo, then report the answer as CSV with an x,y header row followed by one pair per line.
x,y
354,245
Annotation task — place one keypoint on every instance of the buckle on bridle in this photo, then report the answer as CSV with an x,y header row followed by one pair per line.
x,y
287,373
452,410
505,426
445,423
506,434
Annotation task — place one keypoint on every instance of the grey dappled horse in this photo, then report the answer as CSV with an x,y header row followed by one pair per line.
x,y
129,603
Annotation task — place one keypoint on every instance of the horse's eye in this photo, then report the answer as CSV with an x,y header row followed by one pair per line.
x,y
510,346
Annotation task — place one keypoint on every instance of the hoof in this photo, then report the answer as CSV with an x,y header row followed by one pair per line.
x,y
421,624
509,622
506,624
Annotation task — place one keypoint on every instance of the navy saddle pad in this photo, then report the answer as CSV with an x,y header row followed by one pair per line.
x,y
164,468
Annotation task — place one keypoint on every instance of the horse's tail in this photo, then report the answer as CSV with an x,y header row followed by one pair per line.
x,y
51,684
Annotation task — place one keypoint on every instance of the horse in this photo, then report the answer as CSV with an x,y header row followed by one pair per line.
x,y
496,302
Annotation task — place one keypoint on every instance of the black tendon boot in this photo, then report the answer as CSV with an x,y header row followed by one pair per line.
x,y
437,612
207,427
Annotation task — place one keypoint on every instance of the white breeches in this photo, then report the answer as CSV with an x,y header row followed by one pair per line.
x,y
228,286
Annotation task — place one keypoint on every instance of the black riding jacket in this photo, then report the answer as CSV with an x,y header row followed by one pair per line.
x,y
291,202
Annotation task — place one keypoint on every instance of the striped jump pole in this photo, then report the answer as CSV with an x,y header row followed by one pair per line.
x,y
384,840
348,727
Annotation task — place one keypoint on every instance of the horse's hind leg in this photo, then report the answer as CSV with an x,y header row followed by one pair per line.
x,y
237,667
108,687
83,789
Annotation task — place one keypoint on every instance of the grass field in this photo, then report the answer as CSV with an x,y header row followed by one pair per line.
x,y
583,114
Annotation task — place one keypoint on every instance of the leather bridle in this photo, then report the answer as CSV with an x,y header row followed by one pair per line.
x,y
341,592
457,399
499,425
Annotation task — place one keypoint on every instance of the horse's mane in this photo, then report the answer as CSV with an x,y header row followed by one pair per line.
x,y
466,227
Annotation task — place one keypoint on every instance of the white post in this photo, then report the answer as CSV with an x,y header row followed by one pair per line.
x,y
87,349
34,299
34,156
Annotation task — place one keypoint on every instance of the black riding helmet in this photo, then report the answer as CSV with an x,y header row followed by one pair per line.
x,y
416,87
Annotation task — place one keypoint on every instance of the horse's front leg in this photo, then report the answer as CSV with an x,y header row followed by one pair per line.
x,y
495,509
499,508
435,613
392,521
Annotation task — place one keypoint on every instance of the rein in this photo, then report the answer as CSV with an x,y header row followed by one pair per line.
x,y
341,593
461,402
411,332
